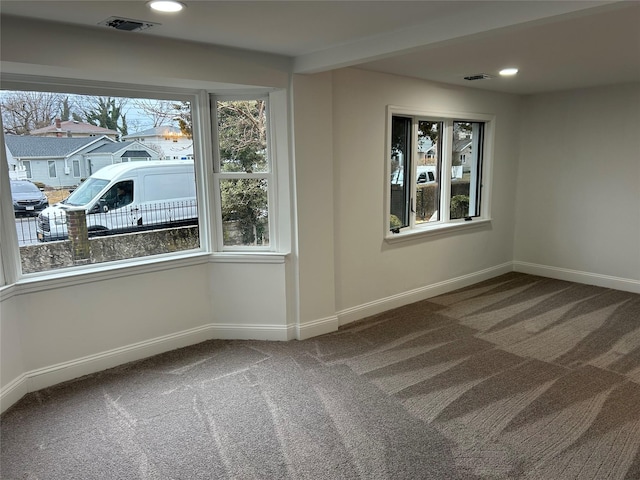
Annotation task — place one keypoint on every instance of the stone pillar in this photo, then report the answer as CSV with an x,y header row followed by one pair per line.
x,y
78,235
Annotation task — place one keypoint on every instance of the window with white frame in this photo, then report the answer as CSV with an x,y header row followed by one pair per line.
x,y
243,171
27,167
156,211
435,166
52,169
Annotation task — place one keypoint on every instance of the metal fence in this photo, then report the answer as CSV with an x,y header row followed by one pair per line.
x,y
51,225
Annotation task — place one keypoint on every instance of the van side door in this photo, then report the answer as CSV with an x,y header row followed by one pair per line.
x,y
169,198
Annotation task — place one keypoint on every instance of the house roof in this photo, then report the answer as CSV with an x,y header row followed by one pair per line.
x,y
156,132
460,144
112,147
126,146
136,154
28,146
74,127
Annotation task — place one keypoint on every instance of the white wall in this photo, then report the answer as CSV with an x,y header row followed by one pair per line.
x,y
11,358
578,195
369,270
314,173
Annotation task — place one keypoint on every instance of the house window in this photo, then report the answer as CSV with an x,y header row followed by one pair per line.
x,y
243,171
27,167
239,197
433,185
76,168
167,201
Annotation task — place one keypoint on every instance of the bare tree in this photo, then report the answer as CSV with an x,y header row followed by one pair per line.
x,y
160,112
23,112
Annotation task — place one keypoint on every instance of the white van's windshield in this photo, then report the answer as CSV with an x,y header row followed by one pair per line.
x,y
86,192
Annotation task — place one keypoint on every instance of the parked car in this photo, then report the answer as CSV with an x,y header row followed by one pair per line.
x,y
27,198
128,197
424,174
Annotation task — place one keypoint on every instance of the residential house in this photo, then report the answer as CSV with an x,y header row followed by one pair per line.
x,y
169,141
118,152
16,171
55,162
65,162
75,129
567,210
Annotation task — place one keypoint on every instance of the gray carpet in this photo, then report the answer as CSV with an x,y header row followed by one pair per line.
x,y
518,377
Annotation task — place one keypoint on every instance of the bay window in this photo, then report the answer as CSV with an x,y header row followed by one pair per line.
x,y
232,210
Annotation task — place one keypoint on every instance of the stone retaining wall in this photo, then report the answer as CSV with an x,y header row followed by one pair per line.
x,y
53,255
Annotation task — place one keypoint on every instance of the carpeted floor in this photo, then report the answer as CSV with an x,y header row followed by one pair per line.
x,y
519,377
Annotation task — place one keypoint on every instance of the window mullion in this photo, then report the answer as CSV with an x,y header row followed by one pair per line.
x,y
414,172
476,152
9,247
447,161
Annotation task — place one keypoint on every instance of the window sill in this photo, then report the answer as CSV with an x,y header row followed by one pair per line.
x,y
75,276
248,257
60,279
429,231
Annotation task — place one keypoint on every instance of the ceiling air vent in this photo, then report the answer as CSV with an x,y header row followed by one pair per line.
x,y
478,76
127,24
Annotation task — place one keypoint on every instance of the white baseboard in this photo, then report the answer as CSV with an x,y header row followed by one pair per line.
x,y
252,332
62,372
13,391
317,327
607,281
378,306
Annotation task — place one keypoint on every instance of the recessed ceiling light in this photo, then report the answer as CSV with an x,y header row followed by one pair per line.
x,y
170,6
505,72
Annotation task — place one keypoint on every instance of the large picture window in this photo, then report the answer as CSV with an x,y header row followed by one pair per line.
x,y
97,206
435,168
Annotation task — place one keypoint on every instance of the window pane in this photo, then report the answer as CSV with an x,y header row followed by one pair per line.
x,y
93,221
242,136
465,176
27,167
427,172
245,214
400,168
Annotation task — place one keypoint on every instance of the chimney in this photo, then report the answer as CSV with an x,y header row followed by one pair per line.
x,y
58,128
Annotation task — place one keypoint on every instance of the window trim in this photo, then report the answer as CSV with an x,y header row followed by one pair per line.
x,y
441,227
52,163
27,168
73,167
13,274
269,175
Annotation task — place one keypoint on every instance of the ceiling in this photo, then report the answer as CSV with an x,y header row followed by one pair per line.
x,y
557,45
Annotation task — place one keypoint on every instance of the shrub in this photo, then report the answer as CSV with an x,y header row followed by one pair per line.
x,y
459,206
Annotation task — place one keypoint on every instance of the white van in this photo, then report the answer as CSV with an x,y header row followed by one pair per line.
x,y
128,197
